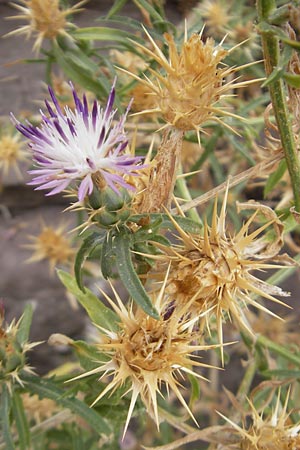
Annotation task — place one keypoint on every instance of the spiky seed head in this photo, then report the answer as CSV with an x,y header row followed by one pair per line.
x,y
149,353
215,14
38,409
46,19
53,245
187,87
214,270
12,152
269,432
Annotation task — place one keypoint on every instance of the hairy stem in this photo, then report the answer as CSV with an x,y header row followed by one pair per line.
x,y
270,45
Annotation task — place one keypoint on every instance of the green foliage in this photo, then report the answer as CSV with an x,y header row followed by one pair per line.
x,y
126,246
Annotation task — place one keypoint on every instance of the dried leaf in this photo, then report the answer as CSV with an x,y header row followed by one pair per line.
x,y
263,248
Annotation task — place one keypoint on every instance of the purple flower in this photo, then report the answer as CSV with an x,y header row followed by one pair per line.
x,y
73,145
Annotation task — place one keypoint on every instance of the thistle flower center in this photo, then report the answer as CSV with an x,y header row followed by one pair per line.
x,y
205,275
147,348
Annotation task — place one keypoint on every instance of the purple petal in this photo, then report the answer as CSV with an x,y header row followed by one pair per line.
x,y
110,101
86,187
55,102
94,114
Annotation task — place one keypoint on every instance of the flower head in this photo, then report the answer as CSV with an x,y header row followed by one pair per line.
x,y
215,14
269,432
53,245
189,85
213,271
11,152
149,353
46,19
13,349
79,145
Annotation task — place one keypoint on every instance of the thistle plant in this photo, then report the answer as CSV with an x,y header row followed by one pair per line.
x,y
185,250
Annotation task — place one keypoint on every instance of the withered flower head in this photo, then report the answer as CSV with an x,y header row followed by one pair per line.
x,y
46,19
187,88
11,152
149,353
38,409
215,269
271,432
215,14
52,244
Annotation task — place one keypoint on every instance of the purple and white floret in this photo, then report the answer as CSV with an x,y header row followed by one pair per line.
x,y
73,145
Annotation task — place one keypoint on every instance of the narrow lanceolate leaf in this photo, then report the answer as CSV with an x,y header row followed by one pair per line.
x,y
281,373
97,311
78,74
143,4
117,6
275,177
46,388
129,276
292,80
24,324
104,34
107,257
21,422
89,356
5,407
87,246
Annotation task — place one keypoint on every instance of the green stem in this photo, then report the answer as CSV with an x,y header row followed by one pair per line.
x,y
263,341
246,382
270,44
184,193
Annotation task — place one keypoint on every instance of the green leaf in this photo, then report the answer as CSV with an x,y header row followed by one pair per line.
x,y
5,407
275,177
153,13
24,325
281,373
292,43
185,223
292,80
89,356
107,257
117,6
104,34
97,311
46,388
78,75
129,276
195,389
21,422
88,245
275,75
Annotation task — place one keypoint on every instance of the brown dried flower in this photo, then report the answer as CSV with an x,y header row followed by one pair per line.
x,y
46,19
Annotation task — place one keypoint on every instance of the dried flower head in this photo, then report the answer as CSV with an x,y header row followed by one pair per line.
x,y
191,82
214,270
11,153
46,19
149,353
79,145
216,15
39,409
53,245
272,432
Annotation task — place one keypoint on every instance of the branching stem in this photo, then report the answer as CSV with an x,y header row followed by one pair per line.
x,y
270,45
